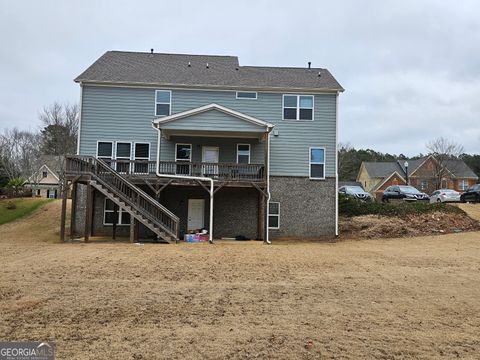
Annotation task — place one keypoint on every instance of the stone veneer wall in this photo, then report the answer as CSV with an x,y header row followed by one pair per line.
x,y
307,207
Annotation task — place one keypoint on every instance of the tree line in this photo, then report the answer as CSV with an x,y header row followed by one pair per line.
x,y
444,150
22,152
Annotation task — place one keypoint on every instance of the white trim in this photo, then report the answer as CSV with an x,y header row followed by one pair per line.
x,y
120,212
249,152
113,148
271,89
276,215
298,107
315,163
213,106
80,119
122,157
191,150
336,166
29,180
134,155
169,104
246,98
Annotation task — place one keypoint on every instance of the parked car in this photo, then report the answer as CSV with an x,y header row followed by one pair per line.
x,y
472,194
403,192
355,192
444,195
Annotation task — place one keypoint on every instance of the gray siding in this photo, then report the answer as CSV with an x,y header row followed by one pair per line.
x,y
115,113
227,148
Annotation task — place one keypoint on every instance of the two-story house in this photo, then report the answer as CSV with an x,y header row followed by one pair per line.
x,y
171,144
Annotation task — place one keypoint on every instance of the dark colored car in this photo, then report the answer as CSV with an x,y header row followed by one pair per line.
x,y
355,192
403,192
472,194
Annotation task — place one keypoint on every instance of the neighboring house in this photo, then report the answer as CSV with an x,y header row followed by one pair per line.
x,y
177,126
377,176
45,181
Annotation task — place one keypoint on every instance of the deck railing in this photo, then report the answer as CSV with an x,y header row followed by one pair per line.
x,y
217,171
103,172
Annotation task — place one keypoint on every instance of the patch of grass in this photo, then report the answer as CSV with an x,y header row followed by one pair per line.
x,y
352,207
14,209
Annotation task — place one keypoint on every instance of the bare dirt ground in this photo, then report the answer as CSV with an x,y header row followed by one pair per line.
x,y
389,299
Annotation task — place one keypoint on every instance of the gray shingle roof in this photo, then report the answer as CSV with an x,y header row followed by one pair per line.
x,y
460,169
222,71
382,169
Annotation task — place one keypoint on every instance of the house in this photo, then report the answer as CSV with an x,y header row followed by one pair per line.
x,y
377,176
45,181
171,144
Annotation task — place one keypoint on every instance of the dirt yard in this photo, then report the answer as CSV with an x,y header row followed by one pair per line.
x,y
388,299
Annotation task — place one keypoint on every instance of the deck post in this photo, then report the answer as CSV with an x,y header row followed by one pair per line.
x,y
132,229
63,215
88,212
115,221
73,211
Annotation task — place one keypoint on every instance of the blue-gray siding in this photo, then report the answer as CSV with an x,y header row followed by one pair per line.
x,y
116,113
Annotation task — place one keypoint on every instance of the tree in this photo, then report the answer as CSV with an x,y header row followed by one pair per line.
x,y
444,151
59,134
16,186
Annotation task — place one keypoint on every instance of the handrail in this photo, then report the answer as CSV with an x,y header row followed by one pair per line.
x,y
124,189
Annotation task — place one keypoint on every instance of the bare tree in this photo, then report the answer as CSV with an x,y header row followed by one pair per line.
x,y
19,152
59,134
446,154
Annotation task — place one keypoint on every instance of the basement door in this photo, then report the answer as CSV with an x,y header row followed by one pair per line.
x,y
196,211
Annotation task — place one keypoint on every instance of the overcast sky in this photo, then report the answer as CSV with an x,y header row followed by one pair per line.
x,y
411,69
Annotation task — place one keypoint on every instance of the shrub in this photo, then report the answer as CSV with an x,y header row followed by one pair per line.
x,y
11,205
348,206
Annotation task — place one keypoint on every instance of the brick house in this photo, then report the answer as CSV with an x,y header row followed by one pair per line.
x,y
375,177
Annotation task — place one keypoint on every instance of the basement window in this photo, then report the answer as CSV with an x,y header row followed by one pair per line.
x,y
273,215
163,99
123,217
249,95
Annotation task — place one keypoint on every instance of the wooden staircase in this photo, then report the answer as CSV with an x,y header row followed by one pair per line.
x,y
126,195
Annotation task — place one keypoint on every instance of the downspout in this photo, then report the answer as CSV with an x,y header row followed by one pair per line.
x,y
336,166
187,177
267,233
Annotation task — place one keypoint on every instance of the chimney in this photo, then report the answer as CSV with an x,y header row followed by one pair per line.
x,y
309,65
151,51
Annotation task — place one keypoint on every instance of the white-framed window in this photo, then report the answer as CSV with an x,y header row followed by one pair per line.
x,y
297,107
105,151
109,214
317,163
183,153
273,215
423,184
44,174
249,95
141,156
123,153
463,184
243,153
163,101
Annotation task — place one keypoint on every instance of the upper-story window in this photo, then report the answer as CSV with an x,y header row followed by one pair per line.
x,y
105,151
163,100
317,163
44,174
243,153
297,107
251,95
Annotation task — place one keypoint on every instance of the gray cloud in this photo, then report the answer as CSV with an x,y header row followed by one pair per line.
x,y
410,68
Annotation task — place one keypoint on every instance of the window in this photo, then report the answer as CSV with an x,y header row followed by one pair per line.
x,y
44,174
123,156
423,184
252,95
463,185
297,107
273,215
317,163
183,153
162,102
105,151
109,214
142,155
243,153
